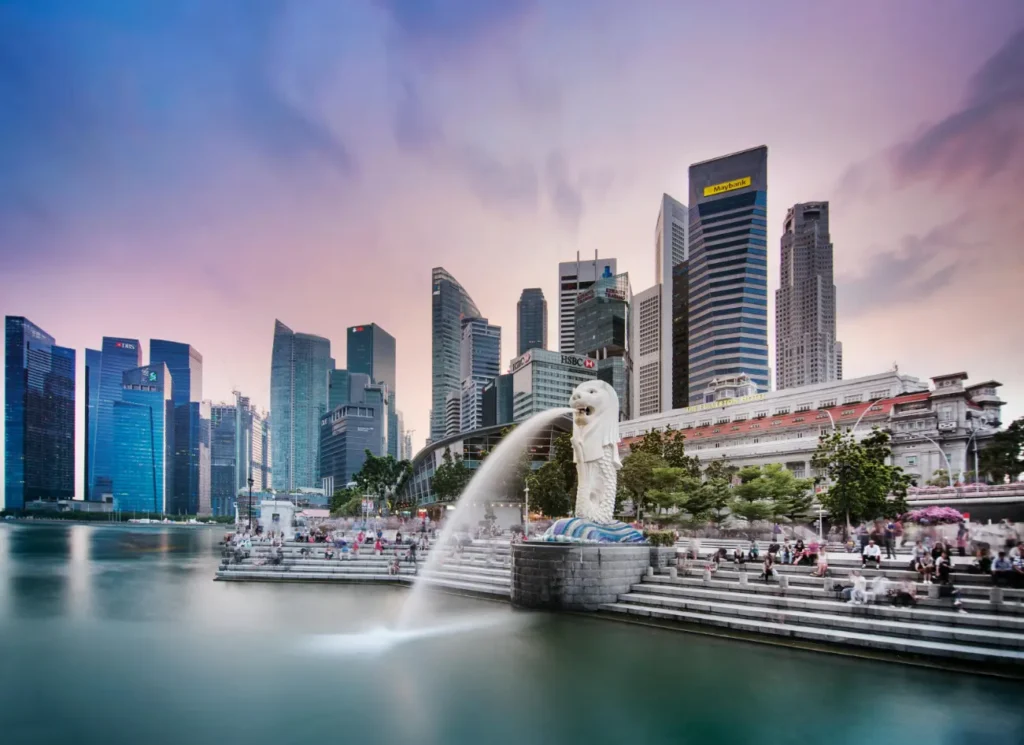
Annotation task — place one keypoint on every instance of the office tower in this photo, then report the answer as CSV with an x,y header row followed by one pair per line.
x,y
371,350
728,271
143,451
225,439
39,416
805,303
191,470
407,446
839,360
671,248
532,321
399,420
298,400
450,303
573,278
337,389
537,381
645,334
93,365
681,335
117,356
480,364
497,397
602,333
266,465
347,433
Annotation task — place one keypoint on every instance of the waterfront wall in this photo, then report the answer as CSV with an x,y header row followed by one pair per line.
x,y
561,576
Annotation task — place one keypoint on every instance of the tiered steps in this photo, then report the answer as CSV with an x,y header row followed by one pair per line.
x,y
991,632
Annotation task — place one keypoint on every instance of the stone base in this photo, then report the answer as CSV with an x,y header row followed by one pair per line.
x,y
561,576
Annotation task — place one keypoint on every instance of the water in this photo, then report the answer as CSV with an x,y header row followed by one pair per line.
x,y
483,487
113,635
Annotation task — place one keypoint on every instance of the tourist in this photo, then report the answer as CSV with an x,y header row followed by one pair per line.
x,y
1016,552
961,542
378,547
755,551
888,537
1002,570
773,548
411,556
906,594
943,568
897,532
395,565
799,547
948,591
982,563
329,552
344,551
398,537
862,536
822,568
812,551
355,549
925,567
737,556
858,594
768,569
787,553
871,553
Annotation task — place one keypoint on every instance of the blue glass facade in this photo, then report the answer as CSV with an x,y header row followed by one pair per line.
x,y
117,356
728,271
345,436
371,350
337,389
225,439
450,303
39,416
480,364
93,364
143,451
298,399
191,480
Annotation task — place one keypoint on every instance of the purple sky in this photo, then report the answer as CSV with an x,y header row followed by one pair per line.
x,y
194,170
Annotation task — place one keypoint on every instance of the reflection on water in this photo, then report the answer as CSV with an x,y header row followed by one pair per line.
x,y
118,635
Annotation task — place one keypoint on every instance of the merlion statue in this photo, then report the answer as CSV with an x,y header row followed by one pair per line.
x,y
595,449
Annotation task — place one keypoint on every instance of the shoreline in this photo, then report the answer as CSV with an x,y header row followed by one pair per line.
x,y
105,523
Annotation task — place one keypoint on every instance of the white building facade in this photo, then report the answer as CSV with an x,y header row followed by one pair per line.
x,y
543,380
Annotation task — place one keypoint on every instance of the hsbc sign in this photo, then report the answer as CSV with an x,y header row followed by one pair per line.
x,y
518,363
578,361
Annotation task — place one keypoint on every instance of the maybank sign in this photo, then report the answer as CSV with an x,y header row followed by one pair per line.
x,y
740,183
723,403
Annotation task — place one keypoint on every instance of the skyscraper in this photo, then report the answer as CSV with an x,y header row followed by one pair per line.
x,y
39,416
728,271
337,389
647,346
450,303
143,440
191,428
371,350
225,441
117,356
602,334
805,303
93,365
298,399
573,278
681,335
532,321
480,364
671,248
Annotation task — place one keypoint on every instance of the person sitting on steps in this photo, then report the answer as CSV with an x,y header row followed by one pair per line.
x,y
768,569
872,552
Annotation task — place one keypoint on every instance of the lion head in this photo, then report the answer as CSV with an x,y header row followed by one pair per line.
x,y
595,407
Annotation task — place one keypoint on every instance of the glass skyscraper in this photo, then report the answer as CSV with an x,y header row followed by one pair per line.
x,y
191,428
116,357
93,365
728,293
532,321
143,441
337,389
371,350
298,399
602,333
480,364
225,439
39,416
450,303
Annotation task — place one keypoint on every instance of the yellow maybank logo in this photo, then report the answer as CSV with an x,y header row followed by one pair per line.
x,y
710,191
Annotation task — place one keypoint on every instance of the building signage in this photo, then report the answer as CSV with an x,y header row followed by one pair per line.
x,y
124,345
584,296
518,363
724,402
740,183
577,361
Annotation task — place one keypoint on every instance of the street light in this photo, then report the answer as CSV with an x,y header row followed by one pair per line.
x,y
250,502
949,468
830,418
872,403
974,438
525,512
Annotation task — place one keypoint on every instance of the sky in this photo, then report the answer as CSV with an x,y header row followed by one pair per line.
x,y
194,170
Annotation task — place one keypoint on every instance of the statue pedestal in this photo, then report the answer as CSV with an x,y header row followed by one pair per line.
x,y
566,576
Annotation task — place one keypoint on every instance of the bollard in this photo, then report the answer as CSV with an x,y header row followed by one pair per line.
x,y
933,591
707,577
784,581
673,572
650,571
995,595
744,579
830,584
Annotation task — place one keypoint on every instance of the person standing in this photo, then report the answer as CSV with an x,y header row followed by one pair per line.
x,y
889,537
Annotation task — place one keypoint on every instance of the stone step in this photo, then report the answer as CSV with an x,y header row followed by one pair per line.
x,y
310,576
326,569
916,614
894,572
825,635
983,637
505,574
818,591
464,585
497,581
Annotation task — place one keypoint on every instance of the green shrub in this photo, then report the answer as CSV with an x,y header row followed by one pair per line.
x,y
660,537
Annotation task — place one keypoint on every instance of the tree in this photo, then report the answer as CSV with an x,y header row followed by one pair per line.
x,y
346,503
637,476
861,485
563,458
381,476
1001,457
450,478
548,493
939,478
775,492
670,447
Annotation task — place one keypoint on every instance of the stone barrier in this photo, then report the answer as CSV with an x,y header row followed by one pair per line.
x,y
559,576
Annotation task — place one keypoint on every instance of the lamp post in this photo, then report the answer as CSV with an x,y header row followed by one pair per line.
x,y
250,503
526,511
821,536
973,438
830,418
949,468
872,403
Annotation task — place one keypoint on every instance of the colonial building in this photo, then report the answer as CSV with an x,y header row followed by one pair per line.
x,y
933,428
